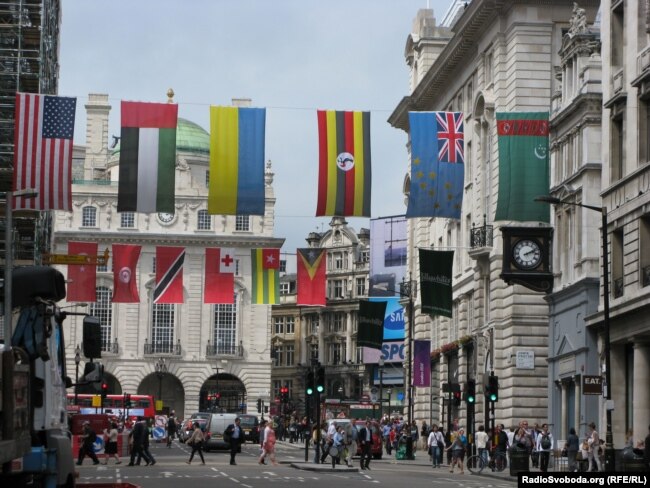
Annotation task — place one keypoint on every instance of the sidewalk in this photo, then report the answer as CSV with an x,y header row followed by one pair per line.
x,y
421,459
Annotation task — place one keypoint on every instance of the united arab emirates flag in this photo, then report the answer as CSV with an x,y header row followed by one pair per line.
x,y
523,166
147,157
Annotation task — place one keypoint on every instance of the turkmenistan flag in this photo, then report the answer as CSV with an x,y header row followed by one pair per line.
x,y
265,271
147,157
523,166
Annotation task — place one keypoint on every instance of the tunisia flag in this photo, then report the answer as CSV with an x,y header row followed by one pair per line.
x,y
219,285
125,263
82,277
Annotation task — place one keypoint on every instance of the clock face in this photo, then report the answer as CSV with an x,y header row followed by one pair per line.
x,y
165,218
527,254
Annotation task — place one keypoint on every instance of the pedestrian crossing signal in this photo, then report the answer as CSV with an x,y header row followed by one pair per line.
x,y
492,388
320,379
309,383
470,392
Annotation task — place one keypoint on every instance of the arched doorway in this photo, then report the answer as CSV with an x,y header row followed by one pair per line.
x,y
165,387
223,393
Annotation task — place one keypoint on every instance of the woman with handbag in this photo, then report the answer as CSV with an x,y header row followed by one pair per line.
x,y
435,443
593,442
196,441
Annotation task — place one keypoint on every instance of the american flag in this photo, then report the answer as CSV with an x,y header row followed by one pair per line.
x,y
43,150
450,137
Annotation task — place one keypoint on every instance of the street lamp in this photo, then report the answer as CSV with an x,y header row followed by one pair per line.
x,y
77,360
381,388
161,370
389,391
609,439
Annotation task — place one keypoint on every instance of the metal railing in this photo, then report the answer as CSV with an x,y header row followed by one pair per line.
x,y
111,347
162,347
645,276
222,350
481,236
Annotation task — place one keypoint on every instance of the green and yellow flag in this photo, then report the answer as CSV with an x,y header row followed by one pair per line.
x,y
523,166
265,267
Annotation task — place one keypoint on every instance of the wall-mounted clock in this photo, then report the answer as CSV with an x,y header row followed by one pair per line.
x,y
527,254
165,217
527,257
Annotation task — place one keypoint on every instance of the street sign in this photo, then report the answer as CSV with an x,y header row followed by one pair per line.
x,y
592,385
101,260
374,394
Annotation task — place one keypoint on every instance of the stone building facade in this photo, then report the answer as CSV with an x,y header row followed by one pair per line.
x,y
494,58
184,352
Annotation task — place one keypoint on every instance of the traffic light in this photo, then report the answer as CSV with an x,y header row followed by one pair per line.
x,y
457,396
104,391
320,379
492,388
470,392
93,373
217,398
309,383
127,400
259,405
284,394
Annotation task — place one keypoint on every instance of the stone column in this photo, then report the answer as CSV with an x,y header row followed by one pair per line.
x,y
348,338
577,405
641,391
321,338
562,431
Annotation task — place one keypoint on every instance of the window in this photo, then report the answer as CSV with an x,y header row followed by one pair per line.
x,y
290,325
277,384
237,268
359,355
454,329
365,256
207,178
644,130
644,250
361,287
488,67
103,310
337,322
336,288
313,351
617,144
203,220
287,287
162,328
225,327
283,266
618,283
279,325
89,217
289,349
337,261
279,350
243,222
127,220
335,353
313,324
617,33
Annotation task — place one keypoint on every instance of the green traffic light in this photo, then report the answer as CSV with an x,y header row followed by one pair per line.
x,y
310,391
320,389
493,397
470,399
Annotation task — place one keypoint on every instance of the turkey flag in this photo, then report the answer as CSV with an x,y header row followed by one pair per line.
x,y
82,277
125,263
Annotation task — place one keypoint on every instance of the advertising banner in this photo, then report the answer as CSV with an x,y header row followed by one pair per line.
x,y
421,363
387,255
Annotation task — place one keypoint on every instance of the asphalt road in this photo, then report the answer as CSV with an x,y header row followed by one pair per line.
x,y
171,471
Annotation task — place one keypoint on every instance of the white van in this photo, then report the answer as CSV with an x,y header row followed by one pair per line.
x,y
217,424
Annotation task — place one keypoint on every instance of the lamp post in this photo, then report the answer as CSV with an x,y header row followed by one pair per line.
x,y
161,370
389,391
609,439
77,360
381,388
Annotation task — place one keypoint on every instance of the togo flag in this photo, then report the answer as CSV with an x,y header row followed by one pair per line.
x,y
147,157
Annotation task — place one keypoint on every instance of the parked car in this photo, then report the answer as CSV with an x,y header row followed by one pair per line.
x,y
216,426
251,427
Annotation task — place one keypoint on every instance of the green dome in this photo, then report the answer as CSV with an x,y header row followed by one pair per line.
x,y
190,137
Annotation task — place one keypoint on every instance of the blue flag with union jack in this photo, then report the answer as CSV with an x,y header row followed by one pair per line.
x,y
437,164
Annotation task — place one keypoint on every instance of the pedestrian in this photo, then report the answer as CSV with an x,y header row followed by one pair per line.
x,y
144,452
435,442
171,429
393,438
646,451
352,439
593,453
458,451
572,446
337,446
424,434
137,438
544,446
235,436
524,438
315,432
262,430
196,442
481,439
111,444
365,438
87,447
269,445
329,441
441,448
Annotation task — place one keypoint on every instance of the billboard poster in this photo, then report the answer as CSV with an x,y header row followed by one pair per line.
x,y
393,318
391,352
387,255
421,363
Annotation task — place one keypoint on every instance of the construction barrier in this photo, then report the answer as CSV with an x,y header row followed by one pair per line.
x,y
100,444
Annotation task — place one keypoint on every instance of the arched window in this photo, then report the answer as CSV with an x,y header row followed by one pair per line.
x,y
89,217
103,310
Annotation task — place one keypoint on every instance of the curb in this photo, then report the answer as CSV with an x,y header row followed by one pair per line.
x,y
322,469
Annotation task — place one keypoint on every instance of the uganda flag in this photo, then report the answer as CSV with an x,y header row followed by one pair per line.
x,y
147,157
344,164
311,276
265,271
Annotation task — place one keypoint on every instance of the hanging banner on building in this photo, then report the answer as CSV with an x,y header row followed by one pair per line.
x,y
435,281
393,318
371,324
421,363
387,255
390,352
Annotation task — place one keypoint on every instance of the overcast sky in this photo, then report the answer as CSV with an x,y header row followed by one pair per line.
x,y
290,56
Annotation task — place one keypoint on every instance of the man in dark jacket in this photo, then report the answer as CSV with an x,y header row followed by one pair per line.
x,y
87,444
138,436
171,429
235,436
365,439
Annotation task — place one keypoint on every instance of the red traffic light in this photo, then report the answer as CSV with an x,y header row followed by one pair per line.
x,y
104,386
218,396
284,389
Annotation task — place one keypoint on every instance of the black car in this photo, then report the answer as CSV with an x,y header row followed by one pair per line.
x,y
251,427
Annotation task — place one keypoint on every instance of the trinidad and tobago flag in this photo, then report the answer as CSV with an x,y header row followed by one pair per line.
x,y
169,275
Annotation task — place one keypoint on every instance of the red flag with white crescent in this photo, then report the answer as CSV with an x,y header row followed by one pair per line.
x,y
82,277
125,263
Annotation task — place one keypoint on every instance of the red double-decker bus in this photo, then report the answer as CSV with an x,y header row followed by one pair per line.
x,y
141,405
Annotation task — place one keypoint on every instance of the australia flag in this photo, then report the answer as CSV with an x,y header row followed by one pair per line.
x,y
437,164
